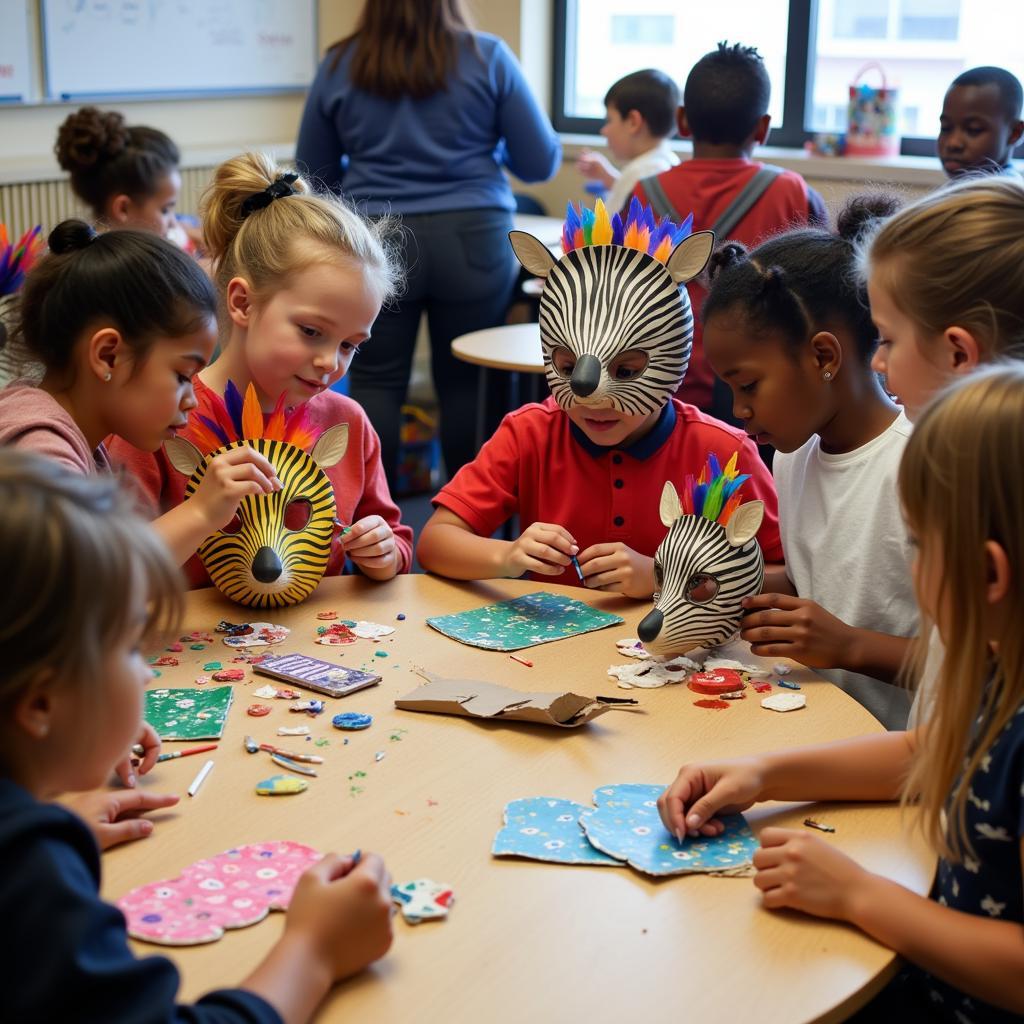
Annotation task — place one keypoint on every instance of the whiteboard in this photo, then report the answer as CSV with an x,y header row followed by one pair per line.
x,y
15,50
101,48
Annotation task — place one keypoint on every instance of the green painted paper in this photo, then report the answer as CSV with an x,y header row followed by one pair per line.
x,y
188,714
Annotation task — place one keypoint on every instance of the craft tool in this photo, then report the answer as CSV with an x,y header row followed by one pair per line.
x,y
186,753
271,749
522,661
292,766
787,684
811,823
343,530
200,778
357,857
576,565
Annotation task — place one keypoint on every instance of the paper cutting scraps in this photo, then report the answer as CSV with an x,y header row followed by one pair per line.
x,y
472,698
372,630
352,720
523,622
187,714
784,702
232,890
281,785
547,828
423,899
252,634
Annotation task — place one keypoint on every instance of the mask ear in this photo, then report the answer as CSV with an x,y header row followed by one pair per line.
x,y
690,256
670,508
745,523
183,455
532,253
331,446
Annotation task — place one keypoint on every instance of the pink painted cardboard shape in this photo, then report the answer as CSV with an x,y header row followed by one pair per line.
x,y
234,889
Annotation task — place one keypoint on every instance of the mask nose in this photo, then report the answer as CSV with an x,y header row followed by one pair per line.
x,y
266,566
586,375
650,626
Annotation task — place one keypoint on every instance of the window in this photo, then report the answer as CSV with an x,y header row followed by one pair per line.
x,y
814,50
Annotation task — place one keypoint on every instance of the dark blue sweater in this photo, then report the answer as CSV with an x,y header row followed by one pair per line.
x,y
445,152
64,952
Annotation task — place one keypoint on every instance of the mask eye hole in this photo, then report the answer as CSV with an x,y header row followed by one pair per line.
x,y
629,365
235,526
297,514
563,361
659,575
701,588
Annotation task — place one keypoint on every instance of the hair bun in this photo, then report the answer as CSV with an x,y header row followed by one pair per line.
x,y
88,137
863,213
725,256
70,236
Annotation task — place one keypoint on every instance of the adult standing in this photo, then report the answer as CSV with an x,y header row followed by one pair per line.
x,y
417,114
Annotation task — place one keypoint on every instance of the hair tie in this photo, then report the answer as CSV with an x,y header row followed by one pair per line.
x,y
278,189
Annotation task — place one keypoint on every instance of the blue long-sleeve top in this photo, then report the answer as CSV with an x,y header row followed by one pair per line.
x,y
64,952
445,152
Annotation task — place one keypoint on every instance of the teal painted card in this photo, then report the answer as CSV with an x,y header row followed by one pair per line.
x,y
189,714
523,622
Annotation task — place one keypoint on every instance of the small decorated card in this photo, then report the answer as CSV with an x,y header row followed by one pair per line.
x,y
626,825
232,890
523,622
423,899
547,828
186,714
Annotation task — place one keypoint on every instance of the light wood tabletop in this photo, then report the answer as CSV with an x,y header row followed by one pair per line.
x,y
524,940
514,347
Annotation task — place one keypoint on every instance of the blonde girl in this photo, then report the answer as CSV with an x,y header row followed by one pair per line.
x,y
964,502
301,278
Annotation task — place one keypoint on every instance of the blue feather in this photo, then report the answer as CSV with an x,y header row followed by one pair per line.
x,y
233,402
684,231
215,427
618,231
636,213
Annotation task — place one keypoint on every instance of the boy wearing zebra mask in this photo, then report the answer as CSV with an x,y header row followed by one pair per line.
x,y
584,470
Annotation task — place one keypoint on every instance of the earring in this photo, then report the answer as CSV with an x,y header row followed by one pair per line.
x,y
827,375
106,377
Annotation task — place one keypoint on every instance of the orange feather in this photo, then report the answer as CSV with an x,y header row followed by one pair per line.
x,y
252,415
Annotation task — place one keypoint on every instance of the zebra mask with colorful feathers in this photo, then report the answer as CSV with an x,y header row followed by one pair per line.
x,y
617,288
708,562
276,548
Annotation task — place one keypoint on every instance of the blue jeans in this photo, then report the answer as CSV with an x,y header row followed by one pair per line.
x,y
461,271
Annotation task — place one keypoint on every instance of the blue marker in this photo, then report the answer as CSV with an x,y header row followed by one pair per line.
x,y
357,857
576,565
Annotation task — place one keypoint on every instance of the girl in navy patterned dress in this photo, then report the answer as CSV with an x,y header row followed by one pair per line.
x,y
963,497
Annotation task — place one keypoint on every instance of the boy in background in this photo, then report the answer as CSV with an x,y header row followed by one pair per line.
x,y
641,117
725,112
980,123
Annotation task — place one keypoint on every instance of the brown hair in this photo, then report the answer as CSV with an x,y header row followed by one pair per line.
x,y
71,550
956,258
107,158
961,486
404,47
276,241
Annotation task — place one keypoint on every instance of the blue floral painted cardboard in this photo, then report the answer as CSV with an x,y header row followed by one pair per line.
x,y
523,622
547,828
627,826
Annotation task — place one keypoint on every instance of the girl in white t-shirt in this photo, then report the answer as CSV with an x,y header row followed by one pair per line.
x,y
788,328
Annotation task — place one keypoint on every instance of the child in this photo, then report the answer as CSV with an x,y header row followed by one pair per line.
x,y
980,123
584,470
121,322
301,279
789,331
725,111
100,580
640,119
127,175
946,281
964,501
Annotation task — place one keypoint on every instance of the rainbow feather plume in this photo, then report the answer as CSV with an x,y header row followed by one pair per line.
x,y
17,260
715,494
639,231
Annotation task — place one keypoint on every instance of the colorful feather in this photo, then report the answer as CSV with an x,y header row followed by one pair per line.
x,y
215,430
274,430
715,494
17,260
252,414
602,232
641,229
234,403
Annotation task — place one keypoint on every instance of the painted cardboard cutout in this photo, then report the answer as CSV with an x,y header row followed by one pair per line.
x,y
275,550
708,562
618,288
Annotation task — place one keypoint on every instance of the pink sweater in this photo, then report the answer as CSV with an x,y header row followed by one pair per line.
x,y
34,421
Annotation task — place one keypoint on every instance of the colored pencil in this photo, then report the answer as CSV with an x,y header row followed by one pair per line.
x,y
186,753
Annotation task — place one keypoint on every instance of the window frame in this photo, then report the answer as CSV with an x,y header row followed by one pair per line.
x,y
803,30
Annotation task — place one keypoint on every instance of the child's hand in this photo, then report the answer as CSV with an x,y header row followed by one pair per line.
x,y
618,568
370,543
114,817
150,743
343,912
700,791
806,873
596,166
543,548
228,479
780,626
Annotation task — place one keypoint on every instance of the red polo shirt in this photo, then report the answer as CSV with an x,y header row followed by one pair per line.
x,y
540,465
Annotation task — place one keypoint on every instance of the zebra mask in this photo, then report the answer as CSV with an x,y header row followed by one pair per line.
x,y
276,548
618,288
708,562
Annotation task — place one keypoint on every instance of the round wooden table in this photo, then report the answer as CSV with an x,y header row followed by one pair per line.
x,y
524,940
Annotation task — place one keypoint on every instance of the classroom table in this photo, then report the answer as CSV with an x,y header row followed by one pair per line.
x,y
524,940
